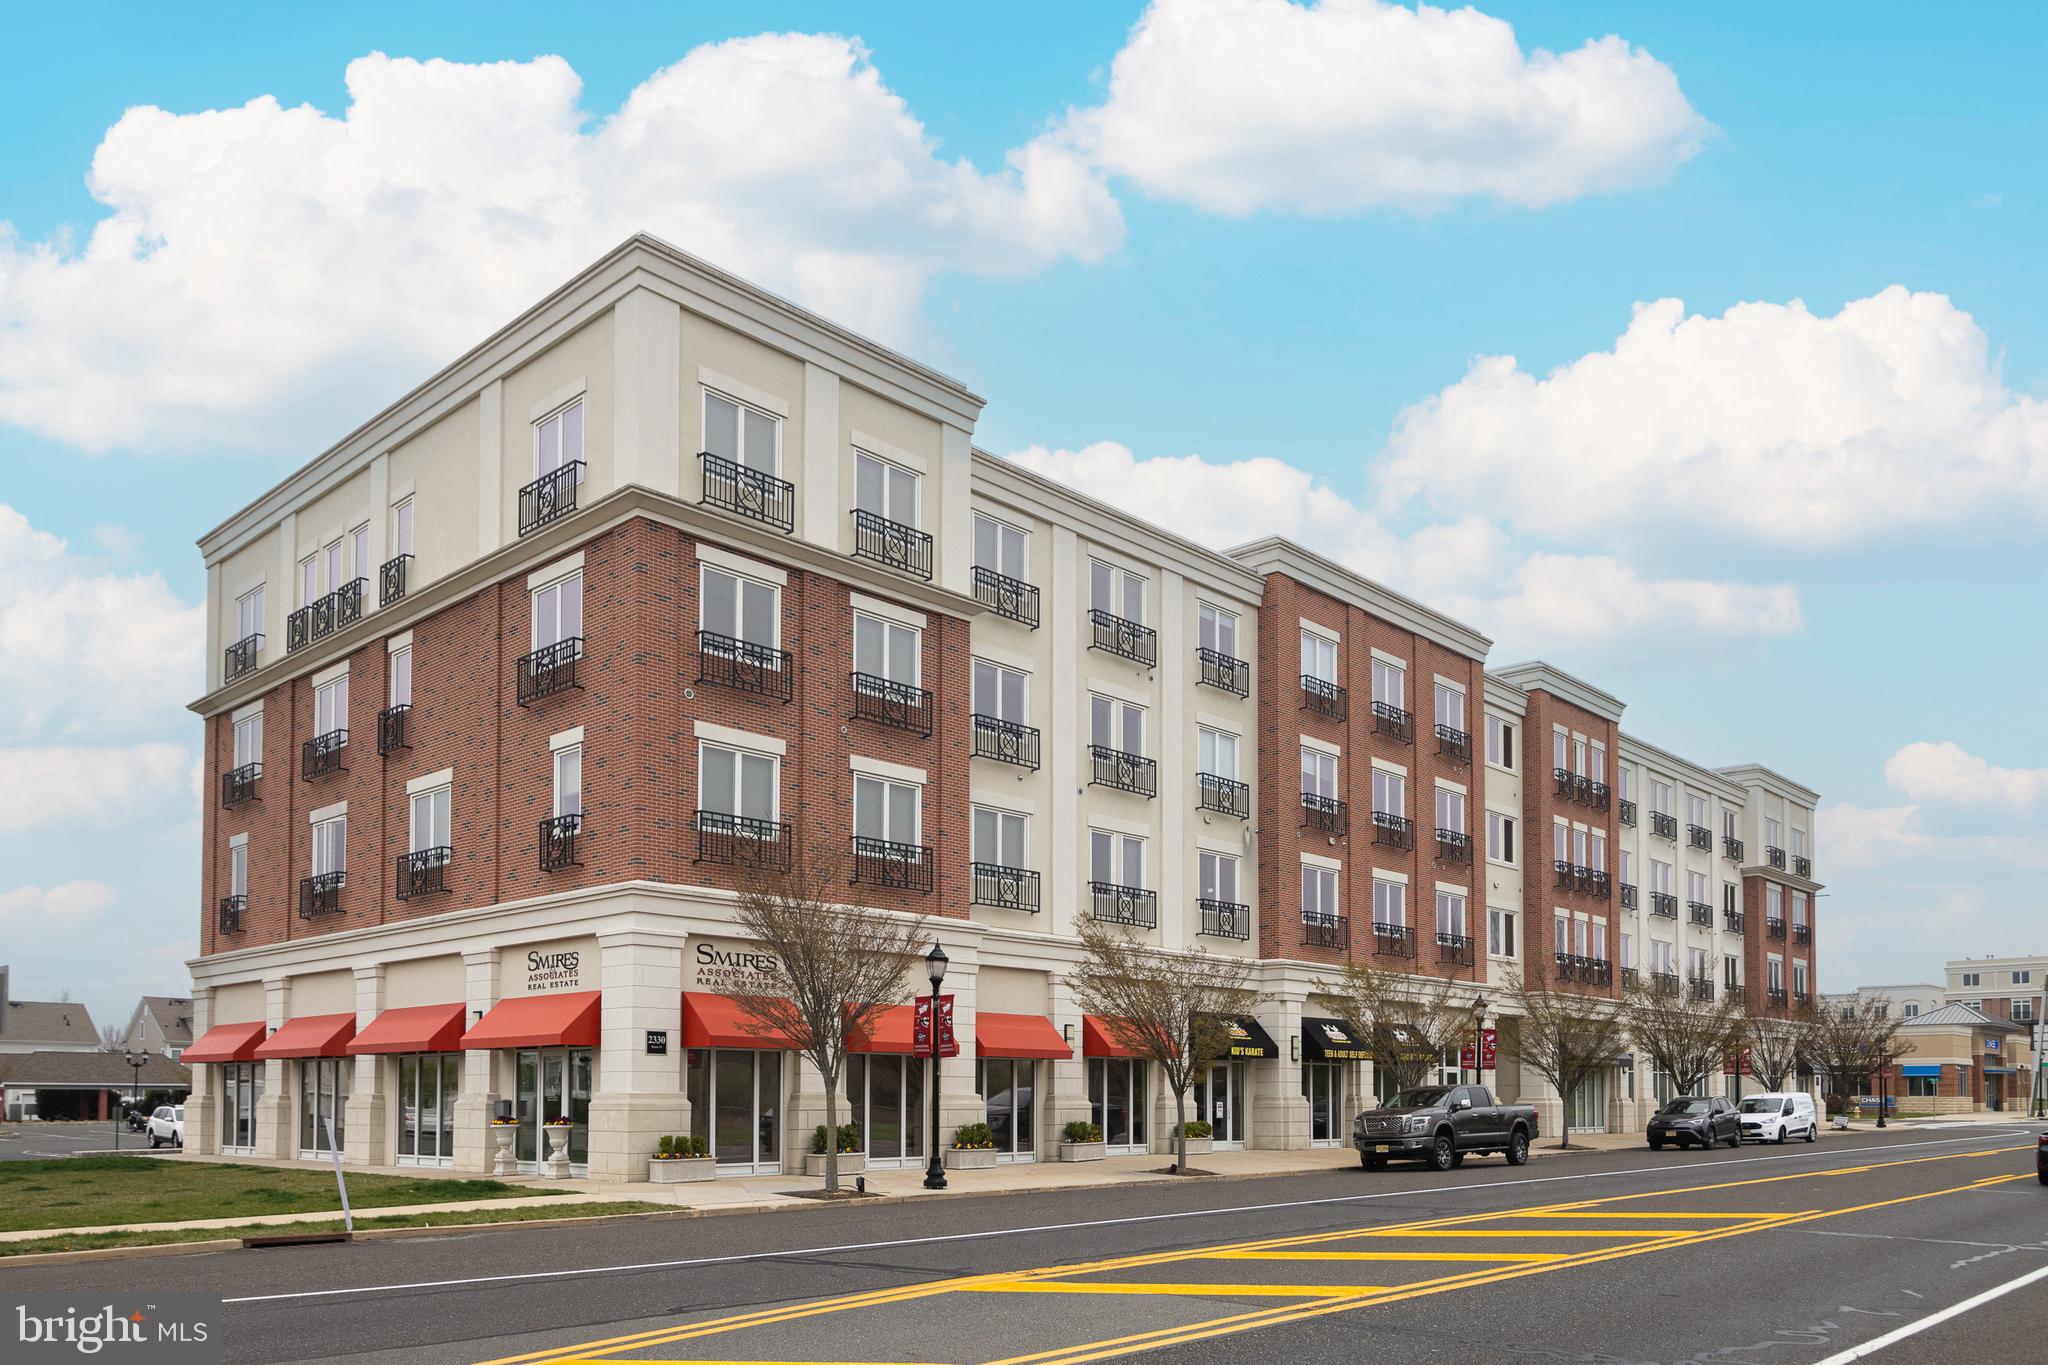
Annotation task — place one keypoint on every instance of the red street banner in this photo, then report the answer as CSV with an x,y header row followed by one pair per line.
x,y
921,1027
1489,1041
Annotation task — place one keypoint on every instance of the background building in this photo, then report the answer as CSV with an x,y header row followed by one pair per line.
x,y
44,1025
161,1024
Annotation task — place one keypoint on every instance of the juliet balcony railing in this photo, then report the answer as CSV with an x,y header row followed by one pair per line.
x,y
298,629
1578,877
744,491
320,895
1631,978
1219,670
1590,971
1005,888
892,544
1325,814
1777,996
1774,926
232,910
1731,847
1454,949
1802,866
1325,699
741,841
1803,999
1122,772
1224,919
241,657
1005,741
1223,794
547,670
550,497
897,705
1731,920
239,784
1664,826
1112,634
1454,847
324,754
558,842
1010,598
898,866
392,579
1326,931
1628,813
1598,795
392,723
743,666
1775,857
1628,895
1393,722
1113,903
1392,831
423,872
1802,934
1700,913
319,619
1699,836
1392,940
1664,983
1454,743
1700,989
1664,905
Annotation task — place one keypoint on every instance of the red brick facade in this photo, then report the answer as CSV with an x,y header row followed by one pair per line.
x,y
1544,889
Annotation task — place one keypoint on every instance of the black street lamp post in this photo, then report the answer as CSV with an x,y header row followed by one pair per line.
x,y
1479,1038
935,968
1883,1065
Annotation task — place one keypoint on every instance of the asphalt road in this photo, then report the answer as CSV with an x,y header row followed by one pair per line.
x,y
1778,1254
40,1141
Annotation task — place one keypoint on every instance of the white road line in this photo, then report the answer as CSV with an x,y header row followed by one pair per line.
x,y
794,1253
1911,1329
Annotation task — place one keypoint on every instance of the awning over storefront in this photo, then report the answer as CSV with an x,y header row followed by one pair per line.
x,y
718,1021
414,1028
225,1043
1098,1039
566,1020
1326,1040
1921,1069
310,1035
1018,1035
889,1031
1246,1038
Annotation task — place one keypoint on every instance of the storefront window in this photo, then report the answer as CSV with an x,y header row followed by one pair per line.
x,y
241,1086
1588,1109
1220,1101
736,1106
888,1097
551,1083
1007,1089
1116,1089
1322,1085
323,1100
427,1085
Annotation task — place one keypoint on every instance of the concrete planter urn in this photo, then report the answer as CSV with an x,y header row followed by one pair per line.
x,y
1083,1151
503,1162
970,1158
679,1170
558,1151
850,1163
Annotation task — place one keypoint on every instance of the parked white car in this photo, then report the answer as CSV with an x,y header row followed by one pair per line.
x,y
1777,1117
167,1124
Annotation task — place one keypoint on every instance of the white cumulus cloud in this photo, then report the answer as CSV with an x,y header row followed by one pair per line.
x,y
61,786
35,910
1947,772
1769,421
263,270
1342,106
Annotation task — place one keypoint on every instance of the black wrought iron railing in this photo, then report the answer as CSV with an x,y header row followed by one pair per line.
x,y
1219,670
1664,904
1392,831
1454,948
1113,903
891,543
1325,814
743,666
1731,847
1005,741
1731,920
1774,926
1664,826
324,754
232,909
1326,931
898,866
1112,634
1664,983
1454,743
1454,847
392,578
550,497
1630,978
1223,794
1598,883
1392,940
741,841
548,670
1392,721
558,840
1628,812
1598,795
1224,919
320,895
1700,913
1010,598
392,722
1802,933
423,872
1006,888
1326,699
1121,771
239,784
1700,989
752,493
241,657
1801,867
1628,895
298,630
1591,971
1777,996
1775,857
888,702
1699,836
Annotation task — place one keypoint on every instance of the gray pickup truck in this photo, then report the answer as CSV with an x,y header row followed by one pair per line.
x,y
1442,1125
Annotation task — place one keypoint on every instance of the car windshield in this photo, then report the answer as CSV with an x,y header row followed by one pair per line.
x,y
1423,1097
1686,1105
1761,1105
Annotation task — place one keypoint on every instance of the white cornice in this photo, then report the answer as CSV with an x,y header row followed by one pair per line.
x,y
1536,674
1275,554
1641,751
1776,783
1506,696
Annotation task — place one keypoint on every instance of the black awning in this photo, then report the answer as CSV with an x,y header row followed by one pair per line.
x,y
1326,1040
1244,1037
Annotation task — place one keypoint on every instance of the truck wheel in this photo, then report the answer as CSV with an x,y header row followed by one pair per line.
x,y
1518,1149
1443,1156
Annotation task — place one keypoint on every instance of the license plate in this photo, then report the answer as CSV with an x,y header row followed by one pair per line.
x,y
1382,1147
1671,1133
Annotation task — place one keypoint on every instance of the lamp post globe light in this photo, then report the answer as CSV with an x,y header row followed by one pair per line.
x,y
935,968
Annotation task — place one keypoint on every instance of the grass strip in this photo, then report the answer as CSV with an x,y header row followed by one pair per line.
x,y
523,1213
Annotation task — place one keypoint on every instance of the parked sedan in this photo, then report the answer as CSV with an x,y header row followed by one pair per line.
x,y
1695,1121
167,1124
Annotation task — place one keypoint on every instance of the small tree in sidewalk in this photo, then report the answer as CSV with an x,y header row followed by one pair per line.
x,y
1685,1038
1777,1045
1566,1039
1848,1042
837,967
1406,1023
1170,1008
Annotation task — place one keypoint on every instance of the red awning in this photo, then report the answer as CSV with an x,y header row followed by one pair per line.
x,y
1098,1039
225,1043
1017,1035
890,1031
566,1020
311,1035
416,1028
718,1021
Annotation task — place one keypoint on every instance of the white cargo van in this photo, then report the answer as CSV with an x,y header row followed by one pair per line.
x,y
1774,1117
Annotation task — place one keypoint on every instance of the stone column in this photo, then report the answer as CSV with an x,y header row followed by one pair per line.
x,y
1279,1115
639,1095
369,1140
960,1097
1067,1084
202,1102
474,1144
277,1113
804,1109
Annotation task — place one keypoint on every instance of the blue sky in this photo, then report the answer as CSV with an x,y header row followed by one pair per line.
x,y
1803,537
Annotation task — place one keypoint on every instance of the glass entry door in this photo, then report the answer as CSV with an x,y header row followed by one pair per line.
x,y
553,1082
1221,1100
1007,1090
736,1106
323,1104
1322,1085
888,1098
427,1083
1116,1090
241,1086
1588,1109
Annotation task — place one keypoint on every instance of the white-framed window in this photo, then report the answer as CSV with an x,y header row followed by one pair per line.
x,y
1596,850
1389,684
1500,742
249,613
999,692
1216,629
1389,903
1500,932
401,676
1116,591
1597,762
2025,978
1114,724
883,809
1660,877
887,649
1580,856
359,550
1450,810
431,814
741,433
309,580
1972,978
740,608
401,527
330,706
1318,657
1776,973
1628,952
886,489
1696,887
1625,782
1579,755
1628,867
249,739
558,440
1663,957
1450,913
1216,876
1500,837
1389,793
1560,841
330,846
332,555
1450,707
1728,897
568,766
1696,810
1000,547
1799,910
1215,752
1000,838
1599,944
1774,901
1319,892
1731,972
742,783
1561,750
1660,797
1912,1011
1319,774
2023,1011
1728,823
1561,932
1798,842
1696,964
558,611
1116,859
1773,833
1799,977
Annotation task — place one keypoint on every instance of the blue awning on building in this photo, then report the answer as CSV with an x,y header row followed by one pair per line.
x,y
1921,1070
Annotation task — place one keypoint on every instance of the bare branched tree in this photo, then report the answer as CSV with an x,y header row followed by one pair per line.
x,y
1566,1039
110,1037
837,968
1849,1040
1778,1045
1407,1023
1169,1008
1686,1038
